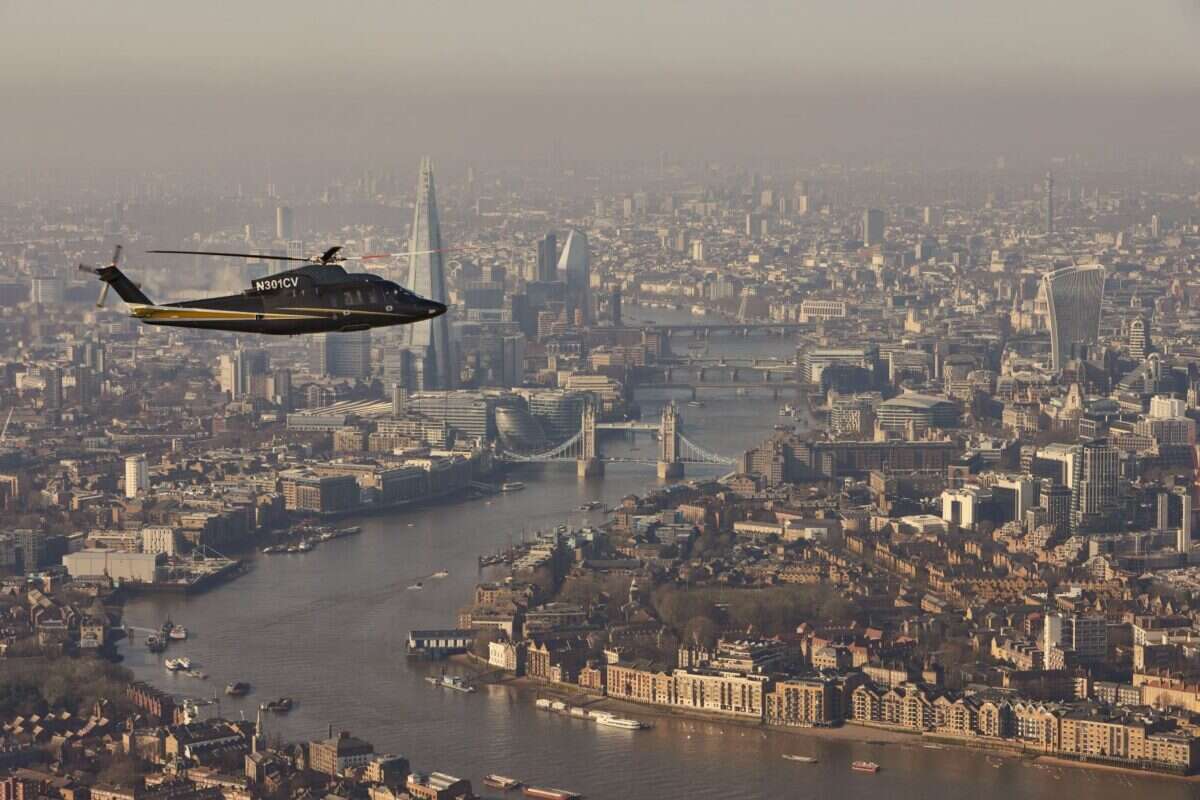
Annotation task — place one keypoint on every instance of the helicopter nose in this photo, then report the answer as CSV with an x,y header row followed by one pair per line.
x,y
434,309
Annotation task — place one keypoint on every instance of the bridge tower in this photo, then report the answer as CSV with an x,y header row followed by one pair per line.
x,y
589,464
669,463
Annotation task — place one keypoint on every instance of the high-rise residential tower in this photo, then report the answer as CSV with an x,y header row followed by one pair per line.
x,y
429,341
137,476
575,266
1074,295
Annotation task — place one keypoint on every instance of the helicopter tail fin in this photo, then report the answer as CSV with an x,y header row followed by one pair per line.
x,y
113,278
120,283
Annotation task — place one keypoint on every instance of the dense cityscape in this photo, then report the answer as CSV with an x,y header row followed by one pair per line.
x,y
579,459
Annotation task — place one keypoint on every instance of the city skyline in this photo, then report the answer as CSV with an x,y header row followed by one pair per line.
x,y
761,396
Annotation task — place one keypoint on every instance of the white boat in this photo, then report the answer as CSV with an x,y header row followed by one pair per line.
x,y
178,632
416,587
441,573
512,486
173,664
454,682
613,721
801,759
184,662
542,702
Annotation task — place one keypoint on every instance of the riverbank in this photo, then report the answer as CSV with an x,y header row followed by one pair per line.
x,y
848,732
482,672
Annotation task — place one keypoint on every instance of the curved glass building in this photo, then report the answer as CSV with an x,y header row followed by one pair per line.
x,y
1074,295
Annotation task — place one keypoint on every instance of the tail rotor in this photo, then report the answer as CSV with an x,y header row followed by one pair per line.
x,y
116,259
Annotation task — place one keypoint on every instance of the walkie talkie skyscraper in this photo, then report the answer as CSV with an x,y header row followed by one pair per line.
x,y
1074,295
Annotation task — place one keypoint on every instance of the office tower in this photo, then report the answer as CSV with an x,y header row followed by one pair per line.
x,y
284,228
512,360
1183,539
137,476
1096,492
1052,631
1056,500
1155,226
547,257
85,385
281,389
343,355
872,227
575,266
236,371
52,396
1139,338
399,400
753,225
1048,190
698,251
1074,295
614,306
46,290
428,340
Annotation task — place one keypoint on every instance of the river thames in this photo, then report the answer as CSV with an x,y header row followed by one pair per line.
x,y
328,628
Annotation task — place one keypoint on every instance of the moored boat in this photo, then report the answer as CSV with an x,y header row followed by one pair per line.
x,y
549,794
454,682
500,781
613,721
801,759
179,633
512,486
280,706
864,766
237,689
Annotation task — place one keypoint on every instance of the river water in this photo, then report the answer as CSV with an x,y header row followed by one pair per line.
x,y
329,628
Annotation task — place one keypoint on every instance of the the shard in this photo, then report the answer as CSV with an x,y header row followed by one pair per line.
x,y
575,266
428,342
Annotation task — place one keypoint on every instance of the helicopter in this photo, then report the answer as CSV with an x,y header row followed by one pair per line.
x,y
319,297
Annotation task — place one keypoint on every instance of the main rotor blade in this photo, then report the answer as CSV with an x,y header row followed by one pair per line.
x,y
264,256
395,255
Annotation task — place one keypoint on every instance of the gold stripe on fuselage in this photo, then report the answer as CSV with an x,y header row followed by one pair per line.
x,y
343,312
173,313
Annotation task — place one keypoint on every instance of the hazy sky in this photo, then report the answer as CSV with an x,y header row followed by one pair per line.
x,y
224,80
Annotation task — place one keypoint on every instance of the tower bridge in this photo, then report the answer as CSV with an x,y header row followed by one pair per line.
x,y
674,449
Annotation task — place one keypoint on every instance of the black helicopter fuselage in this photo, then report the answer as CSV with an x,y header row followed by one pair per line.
x,y
315,298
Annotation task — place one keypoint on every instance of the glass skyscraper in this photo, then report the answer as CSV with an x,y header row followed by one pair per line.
x,y
1074,295
428,341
